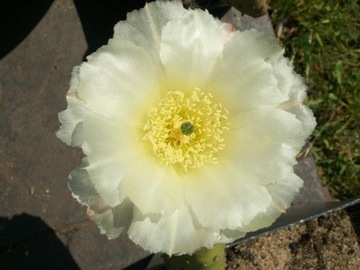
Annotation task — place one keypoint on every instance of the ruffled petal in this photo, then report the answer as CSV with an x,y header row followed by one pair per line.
x,y
245,79
115,220
283,192
70,130
173,234
115,80
111,220
305,116
143,27
82,187
112,150
228,236
293,86
263,143
191,49
153,188
220,199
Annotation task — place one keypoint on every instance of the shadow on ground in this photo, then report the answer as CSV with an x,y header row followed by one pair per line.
x,y
98,17
17,21
26,242
354,214
98,29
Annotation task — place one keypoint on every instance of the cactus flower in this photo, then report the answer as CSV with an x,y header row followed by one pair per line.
x,y
190,130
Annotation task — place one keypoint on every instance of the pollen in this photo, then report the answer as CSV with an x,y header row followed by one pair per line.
x,y
186,131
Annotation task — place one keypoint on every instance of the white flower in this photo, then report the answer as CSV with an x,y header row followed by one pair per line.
x,y
190,131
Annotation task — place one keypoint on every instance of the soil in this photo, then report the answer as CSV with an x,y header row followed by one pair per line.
x,y
328,242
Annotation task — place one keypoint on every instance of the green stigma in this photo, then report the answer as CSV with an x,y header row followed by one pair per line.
x,y
187,128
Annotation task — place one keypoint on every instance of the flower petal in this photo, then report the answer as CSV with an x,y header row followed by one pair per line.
x,y
173,234
73,115
217,190
284,191
306,117
111,221
295,105
263,143
191,49
109,83
153,188
282,194
245,74
112,150
228,236
82,188
143,27
294,87
115,220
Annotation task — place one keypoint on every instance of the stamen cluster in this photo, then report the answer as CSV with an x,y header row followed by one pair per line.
x,y
186,131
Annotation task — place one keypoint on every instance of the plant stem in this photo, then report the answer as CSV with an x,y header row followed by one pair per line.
x,y
209,259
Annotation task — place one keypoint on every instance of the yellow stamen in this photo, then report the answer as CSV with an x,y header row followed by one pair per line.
x,y
186,131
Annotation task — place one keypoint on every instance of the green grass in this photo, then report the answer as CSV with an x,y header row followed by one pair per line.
x,y
322,39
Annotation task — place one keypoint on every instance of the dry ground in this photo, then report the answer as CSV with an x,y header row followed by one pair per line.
x,y
328,242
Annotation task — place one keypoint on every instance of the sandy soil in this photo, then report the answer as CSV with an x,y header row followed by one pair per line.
x,y
328,242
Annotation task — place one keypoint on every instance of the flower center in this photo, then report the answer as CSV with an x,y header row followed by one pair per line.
x,y
187,128
186,131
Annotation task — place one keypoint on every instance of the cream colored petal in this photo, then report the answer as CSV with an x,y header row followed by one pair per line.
x,y
82,188
263,220
270,123
111,220
255,45
190,50
71,118
228,236
284,72
283,192
119,82
172,234
294,87
73,115
263,143
153,187
260,221
306,116
143,27
105,222
245,78
112,150
221,199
